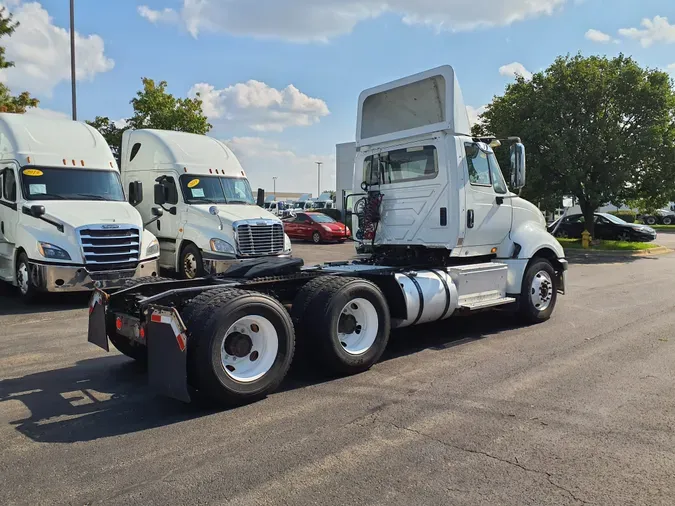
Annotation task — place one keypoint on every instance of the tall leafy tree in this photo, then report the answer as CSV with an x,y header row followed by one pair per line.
x,y
9,102
154,107
600,129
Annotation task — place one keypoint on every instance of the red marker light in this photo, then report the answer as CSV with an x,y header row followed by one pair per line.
x,y
118,323
157,318
141,332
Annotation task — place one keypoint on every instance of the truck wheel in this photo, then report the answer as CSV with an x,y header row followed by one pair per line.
x,y
27,289
539,294
316,238
342,322
240,345
650,220
124,345
667,220
191,264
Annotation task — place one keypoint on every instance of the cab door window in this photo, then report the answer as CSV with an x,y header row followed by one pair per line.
x,y
9,185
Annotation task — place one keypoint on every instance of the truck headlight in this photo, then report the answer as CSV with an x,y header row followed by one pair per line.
x,y
288,247
153,248
221,246
48,250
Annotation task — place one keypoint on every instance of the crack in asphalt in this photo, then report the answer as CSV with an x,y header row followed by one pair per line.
x,y
548,475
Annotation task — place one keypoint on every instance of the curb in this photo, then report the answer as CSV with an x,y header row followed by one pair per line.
x,y
661,250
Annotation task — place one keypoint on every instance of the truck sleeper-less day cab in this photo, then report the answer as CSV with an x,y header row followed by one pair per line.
x,y
198,202
65,224
446,235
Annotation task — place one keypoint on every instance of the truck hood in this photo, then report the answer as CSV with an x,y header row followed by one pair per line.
x,y
236,212
80,213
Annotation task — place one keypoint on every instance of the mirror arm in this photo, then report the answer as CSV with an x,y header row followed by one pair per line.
x,y
151,221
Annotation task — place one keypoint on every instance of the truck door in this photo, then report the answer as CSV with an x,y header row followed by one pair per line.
x,y
488,212
9,218
166,228
415,205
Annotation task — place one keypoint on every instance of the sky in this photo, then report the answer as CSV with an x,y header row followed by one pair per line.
x,y
280,79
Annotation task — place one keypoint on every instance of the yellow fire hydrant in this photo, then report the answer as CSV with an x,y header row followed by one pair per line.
x,y
585,239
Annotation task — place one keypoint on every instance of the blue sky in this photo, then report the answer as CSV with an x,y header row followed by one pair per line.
x,y
246,53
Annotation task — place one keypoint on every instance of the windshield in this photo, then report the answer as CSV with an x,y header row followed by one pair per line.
x,y
613,219
216,190
322,218
71,184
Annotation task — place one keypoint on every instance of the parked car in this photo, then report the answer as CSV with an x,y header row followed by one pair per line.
x,y
316,227
607,226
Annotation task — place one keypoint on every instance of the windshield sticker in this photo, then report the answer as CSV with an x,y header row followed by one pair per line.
x,y
198,192
33,172
193,183
37,189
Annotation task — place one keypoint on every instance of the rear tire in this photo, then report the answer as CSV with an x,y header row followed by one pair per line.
x,y
539,293
240,345
191,263
667,220
316,238
124,345
650,220
342,322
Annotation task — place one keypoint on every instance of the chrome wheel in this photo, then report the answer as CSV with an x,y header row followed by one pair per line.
x,y
249,349
357,326
541,291
23,278
190,266
316,237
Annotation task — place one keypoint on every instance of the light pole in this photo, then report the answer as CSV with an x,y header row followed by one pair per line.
x,y
318,167
72,57
275,188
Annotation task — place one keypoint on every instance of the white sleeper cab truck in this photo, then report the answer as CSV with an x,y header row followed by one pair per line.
x,y
65,224
447,236
198,202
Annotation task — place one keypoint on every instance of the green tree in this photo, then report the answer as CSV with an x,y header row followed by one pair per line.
x,y
155,108
8,102
597,128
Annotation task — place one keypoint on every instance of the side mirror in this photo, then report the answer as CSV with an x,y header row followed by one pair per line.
x,y
214,210
261,197
518,169
160,194
171,193
37,211
135,193
157,211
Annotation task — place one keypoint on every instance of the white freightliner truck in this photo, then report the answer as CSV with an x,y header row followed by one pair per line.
x,y
64,222
445,233
198,202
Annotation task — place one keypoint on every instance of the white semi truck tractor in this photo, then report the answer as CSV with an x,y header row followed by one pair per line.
x,y
65,224
445,235
198,202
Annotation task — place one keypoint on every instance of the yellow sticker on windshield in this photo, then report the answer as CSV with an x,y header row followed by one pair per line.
x,y
33,172
193,183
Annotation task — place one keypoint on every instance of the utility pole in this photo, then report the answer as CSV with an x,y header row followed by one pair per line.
x,y
72,57
318,191
275,188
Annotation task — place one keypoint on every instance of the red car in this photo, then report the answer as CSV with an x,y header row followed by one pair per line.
x,y
316,227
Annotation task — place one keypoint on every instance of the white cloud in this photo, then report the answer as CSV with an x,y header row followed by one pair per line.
x,y
474,113
263,159
598,36
671,68
312,20
120,123
47,113
163,16
654,31
515,69
259,106
41,52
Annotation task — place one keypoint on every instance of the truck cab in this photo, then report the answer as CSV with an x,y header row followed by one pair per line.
x,y
65,224
210,219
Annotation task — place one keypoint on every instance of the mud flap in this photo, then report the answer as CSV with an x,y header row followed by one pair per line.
x,y
167,353
96,333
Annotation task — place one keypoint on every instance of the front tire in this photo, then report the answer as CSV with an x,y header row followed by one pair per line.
x,y
316,238
191,263
343,323
240,345
539,293
28,292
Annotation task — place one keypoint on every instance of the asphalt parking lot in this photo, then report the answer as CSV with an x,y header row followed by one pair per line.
x,y
579,410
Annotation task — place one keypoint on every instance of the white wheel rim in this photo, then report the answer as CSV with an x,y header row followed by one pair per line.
x,y
190,266
316,237
541,292
360,324
249,348
22,278
667,221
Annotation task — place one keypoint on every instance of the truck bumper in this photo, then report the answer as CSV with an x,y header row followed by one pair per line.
x,y
66,278
219,264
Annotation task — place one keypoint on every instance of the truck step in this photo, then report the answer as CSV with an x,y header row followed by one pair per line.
x,y
483,304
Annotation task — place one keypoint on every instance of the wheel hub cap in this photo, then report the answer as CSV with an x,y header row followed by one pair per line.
x,y
238,345
190,265
22,278
249,349
542,291
358,326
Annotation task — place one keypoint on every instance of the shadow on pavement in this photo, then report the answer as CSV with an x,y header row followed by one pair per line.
x,y
598,259
109,396
11,304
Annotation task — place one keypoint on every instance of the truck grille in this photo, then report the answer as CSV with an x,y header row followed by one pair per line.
x,y
258,239
108,248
